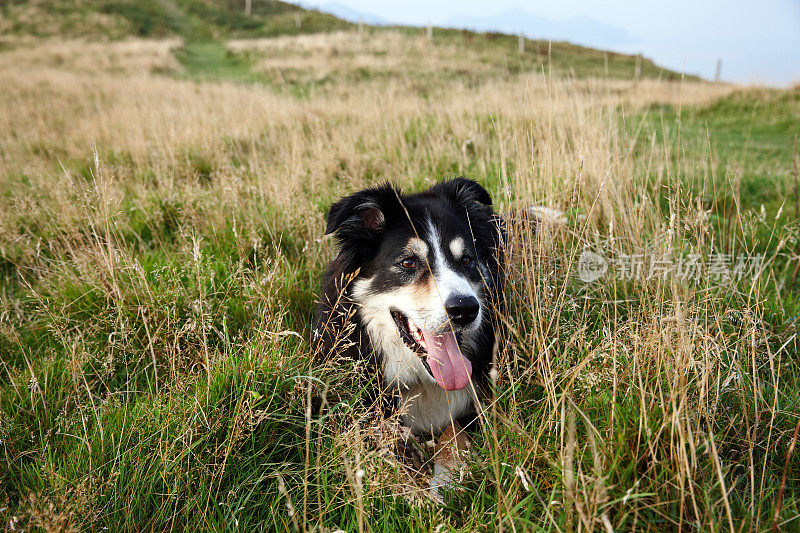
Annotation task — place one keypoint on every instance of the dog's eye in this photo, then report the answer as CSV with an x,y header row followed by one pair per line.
x,y
408,263
466,260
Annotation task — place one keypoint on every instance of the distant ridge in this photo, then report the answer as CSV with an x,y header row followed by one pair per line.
x,y
581,30
352,15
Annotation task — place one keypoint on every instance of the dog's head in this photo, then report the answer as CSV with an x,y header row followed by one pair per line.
x,y
425,264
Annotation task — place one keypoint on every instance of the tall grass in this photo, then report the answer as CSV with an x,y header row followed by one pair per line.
x,y
161,247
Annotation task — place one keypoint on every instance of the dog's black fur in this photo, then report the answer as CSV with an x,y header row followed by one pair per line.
x,y
370,227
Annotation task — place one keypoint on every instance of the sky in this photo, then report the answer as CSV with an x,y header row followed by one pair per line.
x,y
758,41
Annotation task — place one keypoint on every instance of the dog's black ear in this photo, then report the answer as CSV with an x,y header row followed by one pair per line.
x,y
361,212
462,191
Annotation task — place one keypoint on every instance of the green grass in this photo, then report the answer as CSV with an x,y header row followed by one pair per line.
x,y
211,60
109,423
744,145
154,310
751,130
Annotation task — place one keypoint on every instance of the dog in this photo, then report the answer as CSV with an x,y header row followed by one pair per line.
x,y
415,292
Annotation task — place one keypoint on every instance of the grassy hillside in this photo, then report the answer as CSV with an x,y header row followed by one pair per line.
x,y
746,142
206,24
161,246
159,18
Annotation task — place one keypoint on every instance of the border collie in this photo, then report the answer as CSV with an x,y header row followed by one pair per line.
x,y
415,292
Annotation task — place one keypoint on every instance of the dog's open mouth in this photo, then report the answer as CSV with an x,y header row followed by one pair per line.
x,y
440,352
410,333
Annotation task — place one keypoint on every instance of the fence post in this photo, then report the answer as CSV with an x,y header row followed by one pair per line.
x,y
429,32
718,74
521,44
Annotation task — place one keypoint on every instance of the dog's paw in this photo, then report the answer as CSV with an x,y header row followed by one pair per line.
x,y
407,450
449,460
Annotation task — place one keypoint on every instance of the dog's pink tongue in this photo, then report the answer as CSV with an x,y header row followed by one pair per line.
x,y
450,368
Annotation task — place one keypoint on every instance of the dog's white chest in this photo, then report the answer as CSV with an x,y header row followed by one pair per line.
x,y
429,409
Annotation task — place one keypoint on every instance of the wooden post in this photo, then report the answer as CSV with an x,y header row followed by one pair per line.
x,y
248,7
298,20
521,44
429,32
718,75
637,71
360,26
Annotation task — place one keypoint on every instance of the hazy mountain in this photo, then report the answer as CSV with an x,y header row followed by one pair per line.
x,y
352,15
581,30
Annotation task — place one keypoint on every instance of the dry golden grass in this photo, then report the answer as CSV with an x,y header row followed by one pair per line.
x,y
621,404
64,98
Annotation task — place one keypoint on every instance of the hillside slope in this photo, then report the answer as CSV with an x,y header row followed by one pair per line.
x,y
158,18
214,21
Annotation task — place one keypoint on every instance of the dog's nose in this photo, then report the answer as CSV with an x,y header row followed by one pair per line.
x,y
462,309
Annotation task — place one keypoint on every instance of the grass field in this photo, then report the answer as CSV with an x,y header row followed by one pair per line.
x,y
161,215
